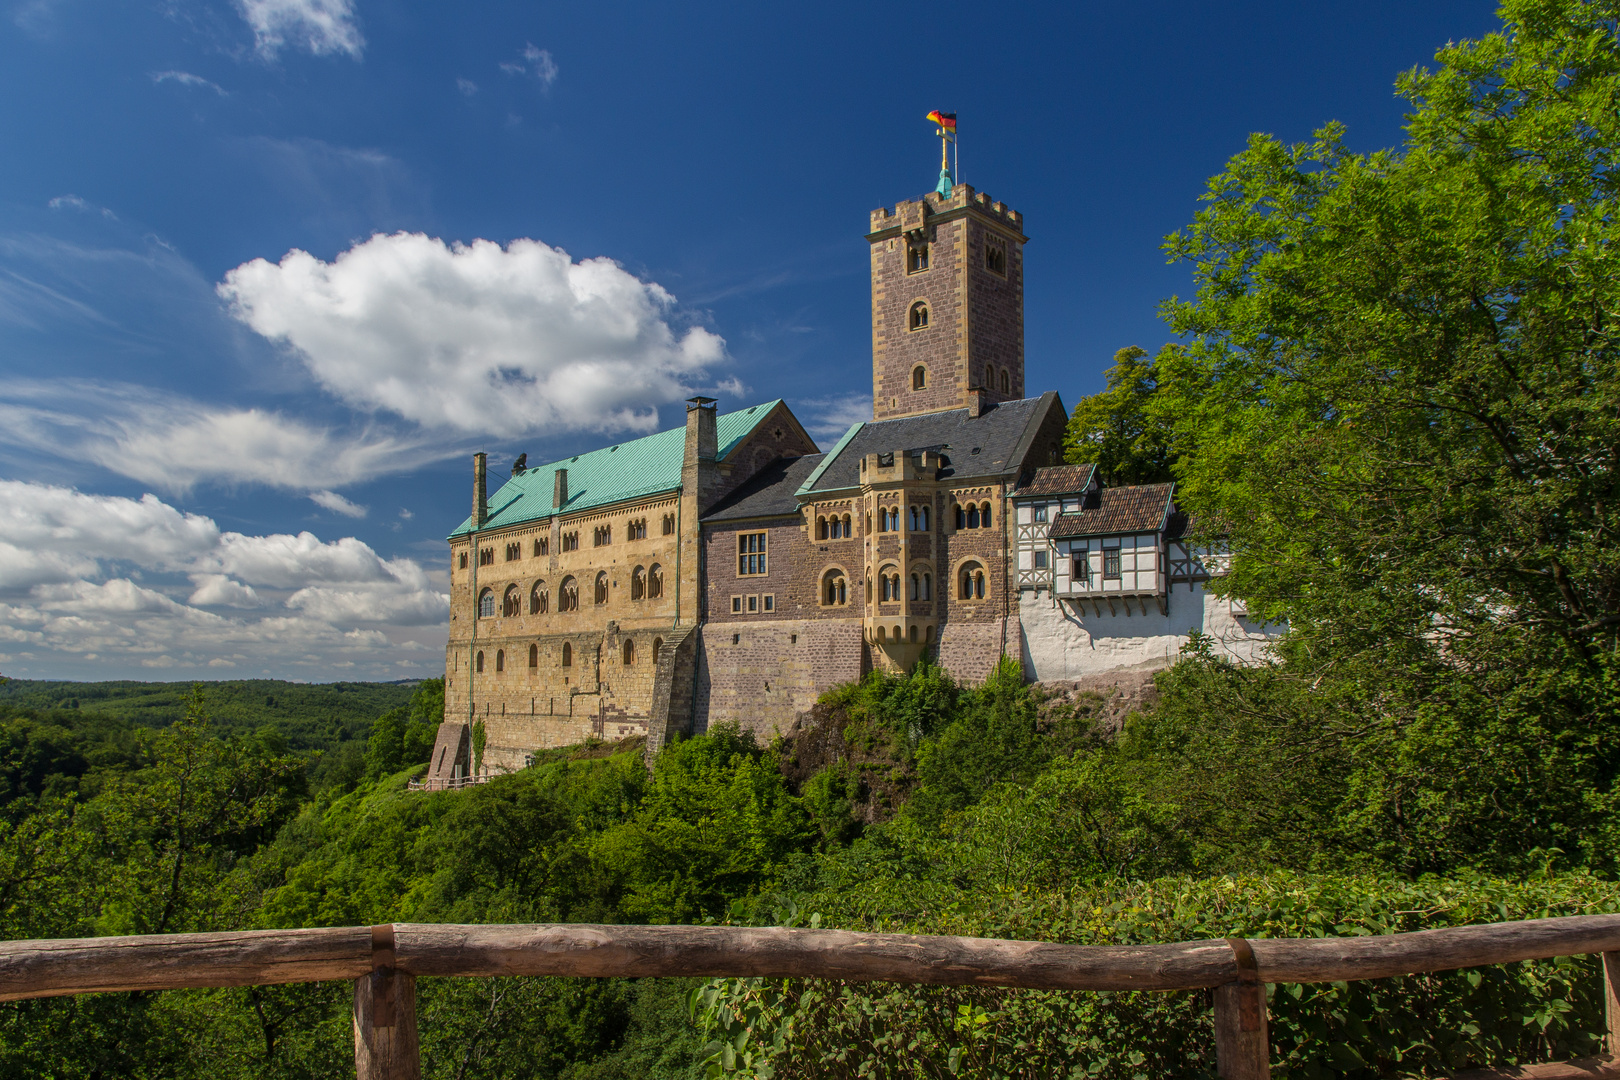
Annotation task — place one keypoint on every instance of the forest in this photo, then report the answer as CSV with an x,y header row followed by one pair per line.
x,y
1393,398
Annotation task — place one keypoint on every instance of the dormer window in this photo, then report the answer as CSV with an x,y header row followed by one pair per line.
x,y
916,258
919,316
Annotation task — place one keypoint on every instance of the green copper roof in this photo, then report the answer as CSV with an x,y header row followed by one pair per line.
x,y
629,470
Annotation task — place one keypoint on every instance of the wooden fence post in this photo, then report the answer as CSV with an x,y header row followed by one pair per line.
x,y
1611,1001
1242,1038
385,1042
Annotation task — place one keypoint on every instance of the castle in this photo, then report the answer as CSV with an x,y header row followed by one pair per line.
x,y
732,571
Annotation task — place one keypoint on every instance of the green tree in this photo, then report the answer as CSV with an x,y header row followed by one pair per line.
x,y
1117,430
1398,402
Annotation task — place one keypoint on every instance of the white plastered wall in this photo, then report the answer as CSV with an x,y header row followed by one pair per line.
x,y
1063,641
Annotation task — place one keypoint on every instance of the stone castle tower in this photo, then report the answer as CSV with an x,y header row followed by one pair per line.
x,y
947,304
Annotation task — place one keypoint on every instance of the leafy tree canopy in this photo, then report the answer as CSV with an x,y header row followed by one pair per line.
x,y
1117,430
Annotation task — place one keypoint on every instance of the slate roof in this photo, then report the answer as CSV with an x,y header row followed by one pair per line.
x,y
1058,480
1001,434
627,470
1119,510
772,492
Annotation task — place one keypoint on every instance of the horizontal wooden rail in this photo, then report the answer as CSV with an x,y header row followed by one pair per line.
x,y
174,961
384,962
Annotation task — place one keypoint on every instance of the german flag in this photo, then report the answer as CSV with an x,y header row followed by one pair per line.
x,y
946,120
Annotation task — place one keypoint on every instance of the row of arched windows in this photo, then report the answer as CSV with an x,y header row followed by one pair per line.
x,y
973,516
834,528
627,655
890,585
646,583
995,379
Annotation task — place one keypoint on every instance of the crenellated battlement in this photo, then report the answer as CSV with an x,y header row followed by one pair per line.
x,y
912,212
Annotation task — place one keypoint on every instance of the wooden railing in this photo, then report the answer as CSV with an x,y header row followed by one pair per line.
x,y
449,783
385,961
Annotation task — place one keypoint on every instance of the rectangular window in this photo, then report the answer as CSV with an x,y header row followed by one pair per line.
x,y
463,560
1111,563
1082,567
542,545
750,554
753,604
1040,512
916,258
1040,560
736,605
769,602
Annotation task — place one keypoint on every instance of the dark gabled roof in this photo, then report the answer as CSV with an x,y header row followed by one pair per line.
x,y
1002,435
1058,480
768,493
1119,510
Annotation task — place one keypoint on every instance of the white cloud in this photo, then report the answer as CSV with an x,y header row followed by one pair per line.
x,y
467,87
321,26
187,79
476,336
331,500
536,62
174,444
826,419
126,583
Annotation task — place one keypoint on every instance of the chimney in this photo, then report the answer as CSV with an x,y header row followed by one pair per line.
x,y
702,442
480,511
559,489
975,401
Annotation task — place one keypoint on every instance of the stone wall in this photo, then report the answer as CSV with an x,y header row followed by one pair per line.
x,y
1059,642
761,675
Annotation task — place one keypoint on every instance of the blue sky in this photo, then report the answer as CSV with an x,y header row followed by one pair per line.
x,y
271,269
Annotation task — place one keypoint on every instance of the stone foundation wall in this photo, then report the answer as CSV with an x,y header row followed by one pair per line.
x,y
762,675
970,650
1059,641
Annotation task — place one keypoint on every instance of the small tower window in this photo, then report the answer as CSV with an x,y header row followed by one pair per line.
x,y
629,652
995,258
919,375
534,656
1006,382
480,663
500,659
486,604
916,258
919,316
567,655
658,647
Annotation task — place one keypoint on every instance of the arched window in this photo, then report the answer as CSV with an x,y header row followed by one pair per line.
x,y
538,599
919,316
868,590
821,528
534,656
568,595
601,593
916,586
1006,382
882,634
848,530
919,374
500,660
568,655
914,633
984,516
486,604
658,647
928,586
655,581
961,517
971,582
973,516
638,583
629,652
922,516
512,602
834,588
478,664
885,595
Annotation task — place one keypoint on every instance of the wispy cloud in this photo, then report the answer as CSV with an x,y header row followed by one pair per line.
x,y
467,87
826,419
537,63
73,202
331,500
187,79
323,27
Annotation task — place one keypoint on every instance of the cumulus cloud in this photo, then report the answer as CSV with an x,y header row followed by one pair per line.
x,y
323,27
187,79
173,443
138,583
478,337
331,500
